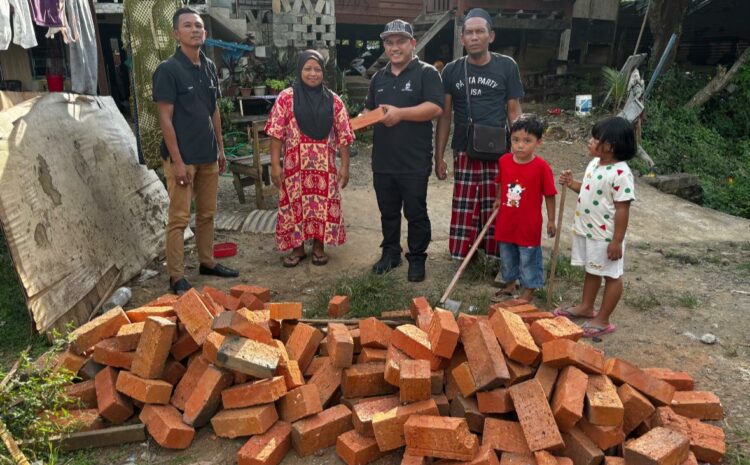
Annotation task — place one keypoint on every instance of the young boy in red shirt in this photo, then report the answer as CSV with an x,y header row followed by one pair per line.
x,y
524,181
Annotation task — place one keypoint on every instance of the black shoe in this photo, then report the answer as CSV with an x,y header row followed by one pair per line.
x,y
416,272
386,263
219,270
180,286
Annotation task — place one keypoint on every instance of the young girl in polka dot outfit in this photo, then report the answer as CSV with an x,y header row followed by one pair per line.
x,y
600,222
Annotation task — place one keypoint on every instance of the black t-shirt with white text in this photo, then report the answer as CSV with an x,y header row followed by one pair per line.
x,y
491,86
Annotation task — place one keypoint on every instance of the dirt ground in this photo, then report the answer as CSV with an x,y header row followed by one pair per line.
x,y
687,274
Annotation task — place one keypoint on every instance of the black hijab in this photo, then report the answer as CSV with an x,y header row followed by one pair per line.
x,y
313,106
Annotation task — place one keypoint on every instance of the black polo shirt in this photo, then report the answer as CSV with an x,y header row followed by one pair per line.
x,y
193,90
405,148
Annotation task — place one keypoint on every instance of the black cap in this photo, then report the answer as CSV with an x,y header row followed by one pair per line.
x,y
479,13
398,26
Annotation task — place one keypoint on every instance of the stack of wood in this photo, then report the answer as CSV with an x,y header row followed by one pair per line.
x,y
513,387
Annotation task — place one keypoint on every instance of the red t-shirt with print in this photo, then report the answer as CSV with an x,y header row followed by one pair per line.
x,y
522,191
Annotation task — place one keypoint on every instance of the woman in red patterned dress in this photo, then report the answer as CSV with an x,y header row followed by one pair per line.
x,y
308,122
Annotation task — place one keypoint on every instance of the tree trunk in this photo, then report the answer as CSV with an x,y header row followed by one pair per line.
x,y
664,18
719,81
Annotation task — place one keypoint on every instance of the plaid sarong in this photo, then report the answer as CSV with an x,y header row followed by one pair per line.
x,y
474,192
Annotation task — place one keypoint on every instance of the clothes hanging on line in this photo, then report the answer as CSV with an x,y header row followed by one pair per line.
x,y
48,13
83,51
23,27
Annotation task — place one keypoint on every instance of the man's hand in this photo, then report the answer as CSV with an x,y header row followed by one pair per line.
x,y
392,115
441,169
343,176
181,174
222,161
551,230
277,175
614,251
566,178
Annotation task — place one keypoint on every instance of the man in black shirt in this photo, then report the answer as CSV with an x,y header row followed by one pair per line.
x,y
495,89
412,95
185,89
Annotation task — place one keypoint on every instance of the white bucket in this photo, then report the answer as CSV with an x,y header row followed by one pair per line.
x,y
583,105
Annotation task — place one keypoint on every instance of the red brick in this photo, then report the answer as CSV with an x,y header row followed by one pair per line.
x,y
442,437
292,374
248,356
437,381
300,403
567,401
702,405
148,391
691,460
227,301
467,408
340,345
464,321
141,314
213,307
89,369
395,314
112,405
603,405
443,333
531,317
518,372
561,352
244,421
511,458
412,341
153,348
393,359
414,380
321,430
128,336
707,442
660,446
363,412
424,321
183,346
206,396
444,407
268,448
495,401
535,416
580,448
328,380
173,372
82,394
658,391
189,381
388,426
681,380
484,356
285,310
79,420
549,329
637,408
69,360
418,460
249,301
260,292
98,329
522,308
544,458
164,424
254,393
212,345
547,377
314,365
355,449
164,300
505,436
419,306
485,456
107,352
603,436
374,333
514,338
365,380
237,324
369,354
303,343
614,461
464,379
194,314
338,306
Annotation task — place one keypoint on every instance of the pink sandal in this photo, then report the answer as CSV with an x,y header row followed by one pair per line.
x,y
594,331
564,311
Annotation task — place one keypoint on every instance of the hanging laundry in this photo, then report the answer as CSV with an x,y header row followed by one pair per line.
x,y
48,13
83,52
23,27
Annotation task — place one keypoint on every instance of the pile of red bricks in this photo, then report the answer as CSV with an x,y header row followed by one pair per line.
x,y
515,387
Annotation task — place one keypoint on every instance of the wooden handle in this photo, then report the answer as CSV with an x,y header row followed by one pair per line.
x,y
556,248
473,249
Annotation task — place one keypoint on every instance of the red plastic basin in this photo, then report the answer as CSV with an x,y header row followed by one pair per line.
x,y
225,249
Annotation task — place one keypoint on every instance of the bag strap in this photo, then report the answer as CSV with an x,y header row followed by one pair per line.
x,y
466,85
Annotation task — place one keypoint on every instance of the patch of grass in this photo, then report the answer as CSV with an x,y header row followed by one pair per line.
x,y
687,300
744,267
643,301
369,294
15,321
565,270
482,268
735,455
78,458
682,258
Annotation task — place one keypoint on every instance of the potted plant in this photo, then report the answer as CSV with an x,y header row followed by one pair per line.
x,y
276,85
259,89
